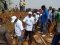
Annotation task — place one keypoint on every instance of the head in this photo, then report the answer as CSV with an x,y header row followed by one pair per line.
x,y
59,9
43,7
38,13
53,10
50,8
34,14
29,14
13,19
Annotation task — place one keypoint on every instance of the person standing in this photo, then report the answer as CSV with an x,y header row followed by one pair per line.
x,y
50,16
53,14
37,16
18,29
44,19
56,37
29,22
5,5
50,19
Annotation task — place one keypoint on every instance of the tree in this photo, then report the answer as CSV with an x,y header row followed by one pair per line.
x,y
1,5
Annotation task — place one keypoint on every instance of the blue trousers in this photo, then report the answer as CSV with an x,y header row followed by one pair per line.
x,y
56,39
20,38
44,27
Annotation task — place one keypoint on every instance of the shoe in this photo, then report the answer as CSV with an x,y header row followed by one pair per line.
x,y
40,32
43,35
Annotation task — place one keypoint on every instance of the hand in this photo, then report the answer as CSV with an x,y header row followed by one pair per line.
x,y
15,35
23,32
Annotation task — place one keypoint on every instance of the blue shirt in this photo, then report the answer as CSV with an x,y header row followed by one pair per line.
x,y
44,17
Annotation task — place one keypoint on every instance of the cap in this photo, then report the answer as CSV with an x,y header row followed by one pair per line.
x,y
34,13
38,12
13,19
29,12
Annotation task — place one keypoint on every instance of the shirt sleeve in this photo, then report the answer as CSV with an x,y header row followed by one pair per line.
x,y
46,13
24,20
33,20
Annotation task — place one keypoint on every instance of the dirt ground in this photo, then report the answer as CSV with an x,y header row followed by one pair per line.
x,y
37,38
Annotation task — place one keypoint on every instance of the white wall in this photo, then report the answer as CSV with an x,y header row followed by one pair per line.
x,y
38,3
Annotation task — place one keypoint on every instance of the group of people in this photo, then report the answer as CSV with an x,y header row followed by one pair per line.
x,y
37,18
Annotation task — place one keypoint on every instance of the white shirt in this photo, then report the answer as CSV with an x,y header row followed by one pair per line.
x,y
50,16
37,17
18,28
29,23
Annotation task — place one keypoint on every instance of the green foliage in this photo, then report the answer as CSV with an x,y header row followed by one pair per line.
x,y
1,4
1,0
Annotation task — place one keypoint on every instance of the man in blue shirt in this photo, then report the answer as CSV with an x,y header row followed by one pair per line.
x,y
44,19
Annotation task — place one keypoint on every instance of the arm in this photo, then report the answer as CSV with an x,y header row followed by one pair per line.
x,y
20,26
24,20
46,13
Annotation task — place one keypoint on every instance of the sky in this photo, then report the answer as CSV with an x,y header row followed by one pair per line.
x,y
38,3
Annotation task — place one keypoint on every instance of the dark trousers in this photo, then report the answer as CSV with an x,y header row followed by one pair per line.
x,y
56,39
43,28
30,34
22,8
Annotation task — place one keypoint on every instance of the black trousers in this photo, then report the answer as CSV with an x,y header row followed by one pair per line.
x,y
30,34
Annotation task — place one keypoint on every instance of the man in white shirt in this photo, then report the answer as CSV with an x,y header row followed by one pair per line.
x,y
29,21
50,15
37,16
18,28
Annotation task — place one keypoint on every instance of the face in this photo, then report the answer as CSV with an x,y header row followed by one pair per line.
x,y
33,15
43,7
15,20
50,8
59,9
53,10
30,15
